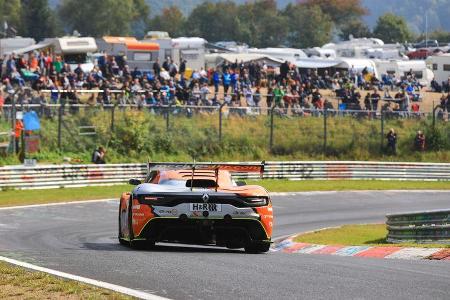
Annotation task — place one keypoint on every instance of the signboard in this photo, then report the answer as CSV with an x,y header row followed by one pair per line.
x,y
32,143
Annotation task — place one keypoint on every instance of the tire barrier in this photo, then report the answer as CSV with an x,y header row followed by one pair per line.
x,y
55,176
419,227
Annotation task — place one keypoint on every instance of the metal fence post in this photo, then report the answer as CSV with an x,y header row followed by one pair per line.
x,y
168,117
60,113
382,132
271,128
325,131
112,117
220,120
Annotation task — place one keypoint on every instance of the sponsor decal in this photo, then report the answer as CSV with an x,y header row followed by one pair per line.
x,y
137,207
151,198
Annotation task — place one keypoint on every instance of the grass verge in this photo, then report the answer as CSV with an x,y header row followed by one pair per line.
x,y
20,283
356,235
28,197
277,185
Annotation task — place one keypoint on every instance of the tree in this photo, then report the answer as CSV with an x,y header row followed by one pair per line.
x,y
38,20
440,35
340,11
392,29
262,25
171,20
356,28
215,22
10,13
103,17
308,26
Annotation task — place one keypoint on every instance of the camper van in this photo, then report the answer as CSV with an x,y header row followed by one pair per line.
x,y
192,49
285,54
440,64
75,51
401,67
138,54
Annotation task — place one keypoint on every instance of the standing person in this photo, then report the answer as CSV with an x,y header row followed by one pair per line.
x,y
419,141
226,80
18,133
156,68
216,81
98,157
392,142
375,98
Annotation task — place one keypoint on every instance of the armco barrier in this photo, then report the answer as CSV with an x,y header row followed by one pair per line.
x,y
419,227
52,176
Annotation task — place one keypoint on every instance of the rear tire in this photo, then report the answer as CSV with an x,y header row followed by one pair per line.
x,y
257,247
121,240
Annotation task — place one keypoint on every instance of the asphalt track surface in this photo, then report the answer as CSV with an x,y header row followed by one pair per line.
x,y
81,239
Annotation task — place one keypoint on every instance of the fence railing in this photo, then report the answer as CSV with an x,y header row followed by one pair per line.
x,y
419,227
55,176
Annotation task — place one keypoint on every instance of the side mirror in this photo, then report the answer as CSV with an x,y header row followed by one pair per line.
x,y
134,181
241,183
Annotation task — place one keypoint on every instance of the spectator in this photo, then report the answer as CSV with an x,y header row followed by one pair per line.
x,y
391,142
98,156
419,141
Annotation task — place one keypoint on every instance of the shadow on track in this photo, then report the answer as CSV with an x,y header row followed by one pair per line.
x,y
160,248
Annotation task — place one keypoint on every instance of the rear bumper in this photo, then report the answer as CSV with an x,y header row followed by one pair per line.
x,y
220,231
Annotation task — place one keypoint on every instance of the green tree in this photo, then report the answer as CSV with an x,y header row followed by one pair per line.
x,y
10,13
308,26
440,35
103,17
340,11
38,20
356,28
171,20
392,29
215,22
261,24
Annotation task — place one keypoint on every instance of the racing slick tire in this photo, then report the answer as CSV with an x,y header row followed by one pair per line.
x,y
257,247
122,241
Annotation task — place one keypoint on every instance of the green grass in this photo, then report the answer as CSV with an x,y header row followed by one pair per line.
x,y
20,283
138,135
356,235
279,185
27,197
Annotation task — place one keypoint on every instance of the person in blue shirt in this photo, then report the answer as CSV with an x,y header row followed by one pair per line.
x,y
216,81
226,80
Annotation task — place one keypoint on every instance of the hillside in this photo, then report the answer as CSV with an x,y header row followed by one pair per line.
x,y
413,10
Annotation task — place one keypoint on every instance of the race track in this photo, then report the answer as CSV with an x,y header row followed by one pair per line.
x,y
81,239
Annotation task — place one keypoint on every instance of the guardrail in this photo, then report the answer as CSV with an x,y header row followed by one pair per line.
x,y
54,176
419,227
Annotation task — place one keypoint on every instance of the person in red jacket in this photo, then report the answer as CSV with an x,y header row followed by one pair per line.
x,y
18,133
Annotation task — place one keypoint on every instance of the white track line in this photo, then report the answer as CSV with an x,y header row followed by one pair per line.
x,y
102,284
57,203
306,193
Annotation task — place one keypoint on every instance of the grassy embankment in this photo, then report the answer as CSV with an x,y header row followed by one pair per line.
x,y
19,283
27,197
356,235
138,136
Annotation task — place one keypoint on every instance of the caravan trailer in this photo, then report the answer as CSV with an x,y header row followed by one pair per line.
x,y
75,51
440,64
285,54
138,54
402,67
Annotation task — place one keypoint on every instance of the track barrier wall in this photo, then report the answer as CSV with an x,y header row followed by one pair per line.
x,y
55,176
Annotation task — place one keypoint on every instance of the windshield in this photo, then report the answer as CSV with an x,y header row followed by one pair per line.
x,y
76,58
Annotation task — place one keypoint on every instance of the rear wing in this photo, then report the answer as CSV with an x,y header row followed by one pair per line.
x,y
232,167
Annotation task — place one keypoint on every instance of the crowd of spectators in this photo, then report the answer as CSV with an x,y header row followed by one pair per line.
x,y
238,84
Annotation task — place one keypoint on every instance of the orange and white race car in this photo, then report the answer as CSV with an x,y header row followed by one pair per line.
x,y
197,204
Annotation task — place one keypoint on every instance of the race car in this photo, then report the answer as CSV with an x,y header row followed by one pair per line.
x,y
197,204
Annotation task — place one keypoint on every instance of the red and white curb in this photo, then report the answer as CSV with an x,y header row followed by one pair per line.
x,y
289,246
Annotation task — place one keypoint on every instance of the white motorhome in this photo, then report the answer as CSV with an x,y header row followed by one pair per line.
x,y
285,54
75,51
192,49
440,64
138,54
401,67
9,45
